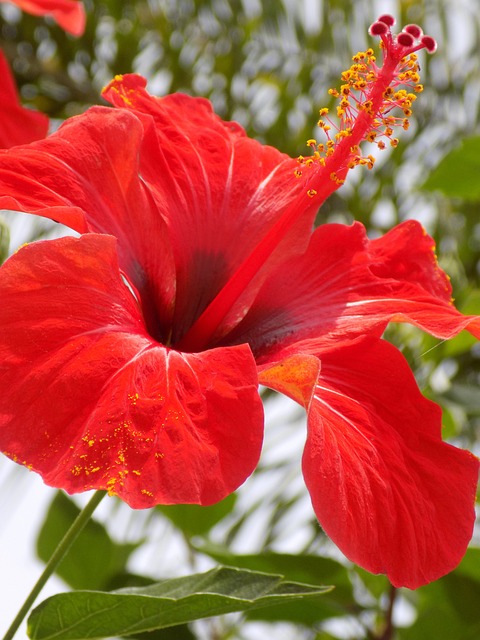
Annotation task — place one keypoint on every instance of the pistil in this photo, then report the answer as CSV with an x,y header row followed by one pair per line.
x,y
366,98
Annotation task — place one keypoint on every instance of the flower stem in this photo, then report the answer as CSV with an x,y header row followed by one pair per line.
x,y
58,555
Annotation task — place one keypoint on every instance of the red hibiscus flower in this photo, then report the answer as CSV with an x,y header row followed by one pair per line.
x,y
18,125
130,356
70,14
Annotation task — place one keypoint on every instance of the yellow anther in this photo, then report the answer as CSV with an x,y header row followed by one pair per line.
x,y
368,107
311,193
335,178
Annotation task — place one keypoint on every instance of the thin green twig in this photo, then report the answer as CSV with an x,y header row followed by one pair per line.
x,y
58,555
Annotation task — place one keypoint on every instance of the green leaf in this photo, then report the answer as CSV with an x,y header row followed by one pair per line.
x,y
84,615
308,569
448,608
377,585
4,240
195,520
178,632
94,561
458,174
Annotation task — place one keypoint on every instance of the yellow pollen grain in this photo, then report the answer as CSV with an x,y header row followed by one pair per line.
x,y
133,397
356,97
111,486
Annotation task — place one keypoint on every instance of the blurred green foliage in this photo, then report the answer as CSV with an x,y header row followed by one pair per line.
x,y
268,65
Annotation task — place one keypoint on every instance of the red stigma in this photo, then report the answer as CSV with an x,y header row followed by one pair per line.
x,y
387,19
411,38
378,29
405,39
429,43
414,30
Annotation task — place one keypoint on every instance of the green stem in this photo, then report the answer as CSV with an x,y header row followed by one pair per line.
x,y
58,555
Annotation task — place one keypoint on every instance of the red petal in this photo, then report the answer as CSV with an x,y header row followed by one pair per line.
x,y
345,286
18,125
69,14
82,177
220,191
385,488
90,401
